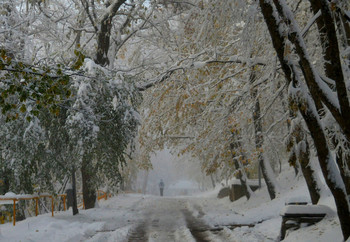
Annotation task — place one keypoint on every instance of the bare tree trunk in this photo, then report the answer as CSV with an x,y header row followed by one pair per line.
x,y
301,151
236,148
89,192
104,34
309,174
74,187
265,167
343,25
343,167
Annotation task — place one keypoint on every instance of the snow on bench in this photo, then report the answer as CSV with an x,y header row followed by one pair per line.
x,y
293,216
299,200
296,210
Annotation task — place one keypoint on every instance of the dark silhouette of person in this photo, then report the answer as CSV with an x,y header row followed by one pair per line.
x,y
161,187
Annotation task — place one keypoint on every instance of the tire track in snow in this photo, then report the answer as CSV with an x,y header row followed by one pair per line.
x,y
139,233
161,220
196,226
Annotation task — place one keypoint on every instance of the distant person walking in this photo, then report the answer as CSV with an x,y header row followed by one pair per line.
x,y
161,187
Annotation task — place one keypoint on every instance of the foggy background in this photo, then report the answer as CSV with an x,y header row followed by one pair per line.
x,y
180,175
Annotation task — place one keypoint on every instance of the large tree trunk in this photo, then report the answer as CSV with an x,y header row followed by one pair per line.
x,y
104,33
342,162
302,152
89,191
312,181
343,24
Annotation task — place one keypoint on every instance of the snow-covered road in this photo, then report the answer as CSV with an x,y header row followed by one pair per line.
x,y
161,219
135,217
164,219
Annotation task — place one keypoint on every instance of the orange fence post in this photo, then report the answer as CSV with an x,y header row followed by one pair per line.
x,y
36,198
64,202
52,205
36,206
101,194
14,212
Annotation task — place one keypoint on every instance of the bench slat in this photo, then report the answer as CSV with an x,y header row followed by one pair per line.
x,y
307,215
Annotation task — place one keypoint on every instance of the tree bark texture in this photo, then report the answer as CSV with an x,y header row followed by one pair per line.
x,y
309,174
89,191
104,33
301,151
344,26
342,160
75,203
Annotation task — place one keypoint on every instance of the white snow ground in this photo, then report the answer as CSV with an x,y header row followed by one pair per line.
x,y
116,217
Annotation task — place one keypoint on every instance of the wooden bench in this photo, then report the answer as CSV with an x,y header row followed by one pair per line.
x,y
293,216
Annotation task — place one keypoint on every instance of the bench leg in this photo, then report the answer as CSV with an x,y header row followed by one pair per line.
x,y
283,229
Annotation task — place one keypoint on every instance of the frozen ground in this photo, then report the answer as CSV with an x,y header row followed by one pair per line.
x,y
201,217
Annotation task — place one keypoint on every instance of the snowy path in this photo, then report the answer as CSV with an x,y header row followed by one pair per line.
x,y
134,217
164,219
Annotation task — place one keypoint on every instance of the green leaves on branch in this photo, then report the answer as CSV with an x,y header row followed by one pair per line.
x,y
80,60
26,89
